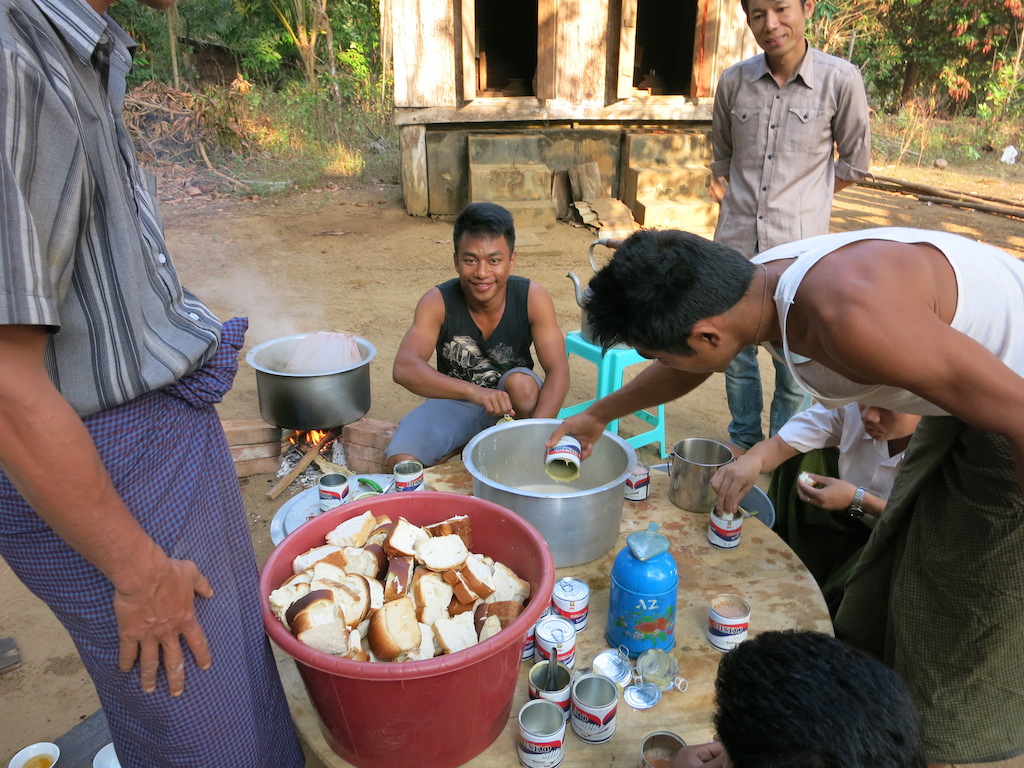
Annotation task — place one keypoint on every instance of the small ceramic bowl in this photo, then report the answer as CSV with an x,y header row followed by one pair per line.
x,y
29,756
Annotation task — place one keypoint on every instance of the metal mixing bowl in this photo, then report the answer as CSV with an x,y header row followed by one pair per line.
x,y
309,401
579,524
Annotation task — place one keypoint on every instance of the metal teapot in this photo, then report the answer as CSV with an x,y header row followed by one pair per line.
x,y
583,294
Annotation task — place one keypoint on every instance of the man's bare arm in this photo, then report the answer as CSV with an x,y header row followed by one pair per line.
x,y
550,345
154,595
655,385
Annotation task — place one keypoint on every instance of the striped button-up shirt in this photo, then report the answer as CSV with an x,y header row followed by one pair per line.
x,y
82,251
777,146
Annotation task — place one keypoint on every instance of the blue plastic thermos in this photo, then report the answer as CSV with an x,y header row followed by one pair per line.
x,y
642,610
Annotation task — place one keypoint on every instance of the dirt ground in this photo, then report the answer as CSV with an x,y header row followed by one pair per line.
x,y
350,258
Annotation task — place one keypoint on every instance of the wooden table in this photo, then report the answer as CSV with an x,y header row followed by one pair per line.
x,y
762,569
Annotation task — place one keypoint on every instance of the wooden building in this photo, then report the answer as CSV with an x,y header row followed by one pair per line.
x,y
497,99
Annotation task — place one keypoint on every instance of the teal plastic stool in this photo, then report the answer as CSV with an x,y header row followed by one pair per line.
x,y
611,366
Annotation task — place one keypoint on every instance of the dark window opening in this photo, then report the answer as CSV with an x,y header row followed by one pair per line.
x,y
663,60
506,47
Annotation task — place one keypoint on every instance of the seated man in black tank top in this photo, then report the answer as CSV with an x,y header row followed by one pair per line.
x,y
481,325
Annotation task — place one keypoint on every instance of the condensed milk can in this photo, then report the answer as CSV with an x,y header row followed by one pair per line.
x,y
642,609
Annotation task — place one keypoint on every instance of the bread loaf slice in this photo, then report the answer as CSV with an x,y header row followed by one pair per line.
x,y
379,534
506,610
311,556
461,589
490,628
442,553
352,532
478,576
396,582
432,594
456,633
508,586
360,560
458,524
427,649
315,620
282,597
394,629
403,539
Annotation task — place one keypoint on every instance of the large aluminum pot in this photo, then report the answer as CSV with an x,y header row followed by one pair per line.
x,y
309,401
579,519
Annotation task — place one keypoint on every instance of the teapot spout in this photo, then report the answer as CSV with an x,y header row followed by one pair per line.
x,y
578,286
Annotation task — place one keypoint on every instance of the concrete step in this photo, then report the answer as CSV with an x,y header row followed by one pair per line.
x,y
674,149
530,213
495,183
506,148
694,216
668,182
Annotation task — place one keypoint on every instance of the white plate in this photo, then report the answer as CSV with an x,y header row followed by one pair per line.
x,y
106,758
304,506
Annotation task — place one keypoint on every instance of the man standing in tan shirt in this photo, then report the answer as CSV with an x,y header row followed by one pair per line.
x,y
779,119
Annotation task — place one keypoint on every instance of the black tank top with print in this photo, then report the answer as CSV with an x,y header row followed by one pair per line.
x,y
462,351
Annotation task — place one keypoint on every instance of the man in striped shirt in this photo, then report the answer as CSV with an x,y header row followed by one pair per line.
x,y
115,367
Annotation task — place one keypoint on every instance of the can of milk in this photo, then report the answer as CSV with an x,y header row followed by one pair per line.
x,y
555,634
638,484
571,598
724,529
541,734
728,621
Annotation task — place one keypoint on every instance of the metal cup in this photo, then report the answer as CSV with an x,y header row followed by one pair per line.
x,y
594,702
659,748
333,490
692,464
558,692
408,475
541,734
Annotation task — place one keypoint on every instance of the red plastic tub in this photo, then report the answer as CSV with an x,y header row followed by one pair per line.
x,y
438,713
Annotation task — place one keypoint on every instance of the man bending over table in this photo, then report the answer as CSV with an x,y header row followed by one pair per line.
x,y
905,319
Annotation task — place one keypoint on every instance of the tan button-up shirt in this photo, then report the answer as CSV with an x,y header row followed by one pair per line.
x,y
777,147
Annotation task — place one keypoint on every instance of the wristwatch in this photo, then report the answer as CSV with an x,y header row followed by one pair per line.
x,y
856,508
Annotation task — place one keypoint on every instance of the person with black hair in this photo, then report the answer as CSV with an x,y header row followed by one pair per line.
x,y
911,320
480,325
806,700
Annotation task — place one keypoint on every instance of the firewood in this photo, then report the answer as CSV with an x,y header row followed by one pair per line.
x,y
301,464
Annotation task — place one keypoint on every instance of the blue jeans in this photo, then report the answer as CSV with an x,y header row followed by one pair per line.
x,y
743,390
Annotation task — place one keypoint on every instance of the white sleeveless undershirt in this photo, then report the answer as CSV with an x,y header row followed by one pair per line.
x,y
990,309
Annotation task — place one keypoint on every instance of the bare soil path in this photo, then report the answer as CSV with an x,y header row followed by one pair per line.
x,y
351,259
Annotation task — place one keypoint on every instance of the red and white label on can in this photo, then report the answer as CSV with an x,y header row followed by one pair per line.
x,y
571,599
638,484
558,634
728,621
725,532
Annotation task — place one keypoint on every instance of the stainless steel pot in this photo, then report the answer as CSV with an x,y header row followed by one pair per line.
x,y
691,466
309,401
580,524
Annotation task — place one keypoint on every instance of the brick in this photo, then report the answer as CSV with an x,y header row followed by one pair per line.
x,y
372,433
364,467
265,466
261,451
364,453
250,432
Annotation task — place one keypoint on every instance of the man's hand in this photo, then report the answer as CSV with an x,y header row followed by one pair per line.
x,y
154,616
495,401
734,480
718,186
583,427
829,493
710,755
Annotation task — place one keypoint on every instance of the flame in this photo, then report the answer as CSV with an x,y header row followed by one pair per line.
x,y
312,437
